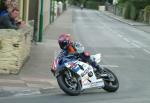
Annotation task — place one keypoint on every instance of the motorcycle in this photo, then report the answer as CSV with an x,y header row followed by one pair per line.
x,y
74,76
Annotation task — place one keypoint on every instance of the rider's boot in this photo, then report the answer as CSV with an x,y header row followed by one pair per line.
x,y
98,68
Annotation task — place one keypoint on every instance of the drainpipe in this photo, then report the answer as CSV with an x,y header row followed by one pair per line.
x,y
51,10
36,22
41,23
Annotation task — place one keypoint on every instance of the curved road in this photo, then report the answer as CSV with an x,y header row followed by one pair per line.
x,y
125,49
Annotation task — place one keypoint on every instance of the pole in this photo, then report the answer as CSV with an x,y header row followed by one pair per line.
x,y
41,23
50,12
53,11
36,23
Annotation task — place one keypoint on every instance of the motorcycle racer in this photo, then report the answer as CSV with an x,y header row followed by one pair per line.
x,y
75,48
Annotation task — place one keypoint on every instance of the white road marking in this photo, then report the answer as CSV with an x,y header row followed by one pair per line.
x,y
111,30
119,56
27,93
120,35
32,79
11,81
147,51
137,46
127,40
112,66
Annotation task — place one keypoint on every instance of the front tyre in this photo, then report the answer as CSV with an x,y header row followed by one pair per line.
x,y
71,85
111,81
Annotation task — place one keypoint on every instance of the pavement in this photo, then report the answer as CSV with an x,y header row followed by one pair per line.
x,y
142,26
35,77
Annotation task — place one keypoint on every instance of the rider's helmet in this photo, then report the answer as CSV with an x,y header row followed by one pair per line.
x,y
64,40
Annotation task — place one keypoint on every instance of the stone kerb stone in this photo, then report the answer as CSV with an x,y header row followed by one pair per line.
x,y
14,49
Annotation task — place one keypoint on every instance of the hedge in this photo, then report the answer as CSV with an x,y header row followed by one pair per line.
x,y
0,3
133,12
139,4
147,14
126,10
92,5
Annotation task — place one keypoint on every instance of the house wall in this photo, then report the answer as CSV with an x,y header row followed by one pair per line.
x,y
46,13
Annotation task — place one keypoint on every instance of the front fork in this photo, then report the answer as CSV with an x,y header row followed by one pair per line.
x,y
70,76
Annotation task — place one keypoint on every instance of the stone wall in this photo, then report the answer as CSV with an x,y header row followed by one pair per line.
x,y
14,49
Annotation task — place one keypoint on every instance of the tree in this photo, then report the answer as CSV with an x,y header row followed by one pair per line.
x,y
139,4
1,4
132,8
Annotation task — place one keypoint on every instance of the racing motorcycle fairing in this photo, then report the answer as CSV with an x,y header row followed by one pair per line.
x,y
96,58
86,74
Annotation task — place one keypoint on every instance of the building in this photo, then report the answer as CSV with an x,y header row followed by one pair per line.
x,y
36,12
39,13
115,1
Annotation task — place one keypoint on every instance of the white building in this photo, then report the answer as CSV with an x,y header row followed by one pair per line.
x,y
115,1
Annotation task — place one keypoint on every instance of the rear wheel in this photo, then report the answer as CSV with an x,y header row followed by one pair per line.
x,y
111,81
69,83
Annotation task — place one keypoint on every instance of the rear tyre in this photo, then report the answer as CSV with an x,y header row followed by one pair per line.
x,y
111,81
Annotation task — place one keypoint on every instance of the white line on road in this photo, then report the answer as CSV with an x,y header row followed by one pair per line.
x,y
33,79
11,81
147,51
127,40
27,93
112,66
137,46
120,35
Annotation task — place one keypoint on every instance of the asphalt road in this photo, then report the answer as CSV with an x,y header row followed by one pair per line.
x,y
125,50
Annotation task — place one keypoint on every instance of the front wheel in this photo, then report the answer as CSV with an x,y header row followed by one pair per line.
x,y
111,81
69,83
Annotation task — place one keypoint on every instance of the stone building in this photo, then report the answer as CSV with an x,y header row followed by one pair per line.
x,y
15,45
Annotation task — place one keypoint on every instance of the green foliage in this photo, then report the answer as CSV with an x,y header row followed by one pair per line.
x,y
119,10
147,9
101,2
139,4
64,6
121,1
92,5
82,1
61,0
132,8
126,10
0,44
0,3
110,1
140,16
129,11
147,14
93,0
133,12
